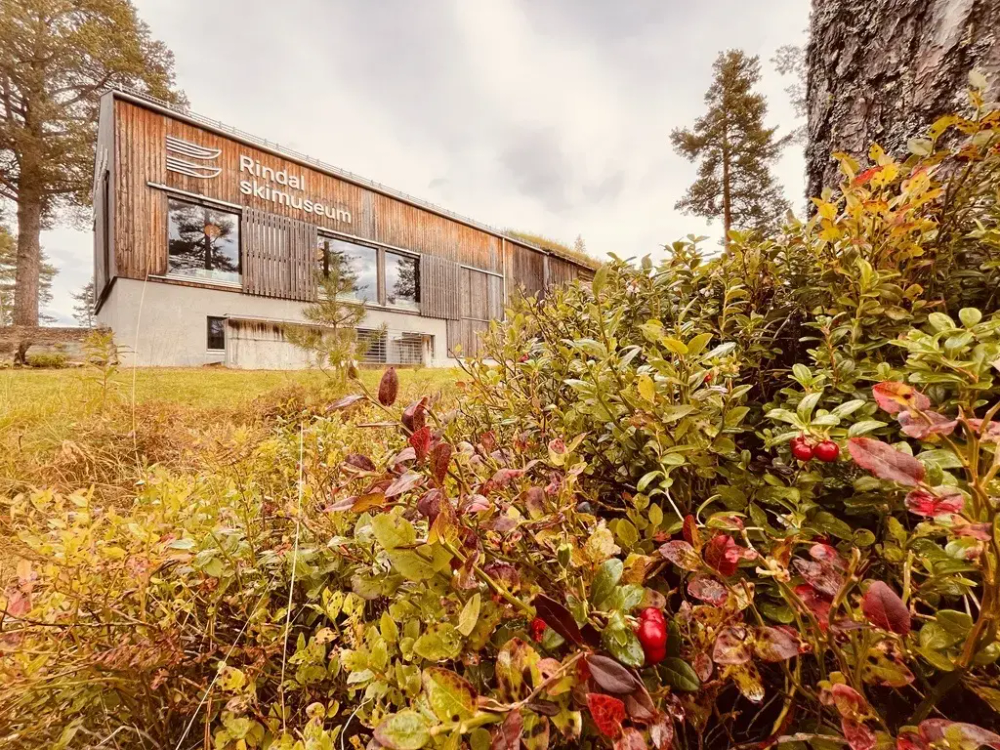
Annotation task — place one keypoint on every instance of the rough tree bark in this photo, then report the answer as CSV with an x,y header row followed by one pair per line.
x,y
880,71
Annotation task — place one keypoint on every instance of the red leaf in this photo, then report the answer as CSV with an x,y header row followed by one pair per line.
x,y
865,177
503,477
732,646
884,609
724,555
691,533
858,736
910,741
440,458
850,704
991,434
421,442
928,505
816,603
775,644
507,736
894,397
608,713
681,554
924,424
708,590
886,462
825,553
414,415
820,575
388,387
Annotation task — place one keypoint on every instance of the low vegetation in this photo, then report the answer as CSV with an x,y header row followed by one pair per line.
x,y
746,502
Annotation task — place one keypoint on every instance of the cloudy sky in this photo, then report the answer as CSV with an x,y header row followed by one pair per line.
x,y
551,116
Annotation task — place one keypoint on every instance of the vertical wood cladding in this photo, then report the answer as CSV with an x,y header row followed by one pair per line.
x,y
439,286
278,256
276,223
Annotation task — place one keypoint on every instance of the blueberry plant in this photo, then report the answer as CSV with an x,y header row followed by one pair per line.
x,y
746,502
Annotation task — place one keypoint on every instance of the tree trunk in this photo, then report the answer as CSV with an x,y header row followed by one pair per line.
x,y
29,251
881,71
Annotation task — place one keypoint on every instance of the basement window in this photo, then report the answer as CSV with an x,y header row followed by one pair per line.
x,y
216,334
204,243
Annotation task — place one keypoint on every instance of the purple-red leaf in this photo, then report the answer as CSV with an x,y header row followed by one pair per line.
x,y
607,712
822,576
414,415
507,736
610,675
405,483
955,732
440,458
921,425
885,462
884,609
558,618
344,402
359,461
388,387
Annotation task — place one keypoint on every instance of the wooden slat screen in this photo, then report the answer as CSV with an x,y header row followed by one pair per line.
x,y
439,285
279,256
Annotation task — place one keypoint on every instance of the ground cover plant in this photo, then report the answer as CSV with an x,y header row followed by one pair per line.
x,y
741,502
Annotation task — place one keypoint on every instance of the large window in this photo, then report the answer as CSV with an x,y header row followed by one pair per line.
x,y
204,242
402,281
357,263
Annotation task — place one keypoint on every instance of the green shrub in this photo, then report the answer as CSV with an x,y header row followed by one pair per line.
x,y
48,360
425,577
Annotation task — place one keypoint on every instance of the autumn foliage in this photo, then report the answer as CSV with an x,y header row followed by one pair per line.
x,y
606,540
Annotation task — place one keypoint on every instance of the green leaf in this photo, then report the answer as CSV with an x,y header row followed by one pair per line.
x,y
680,675
698,343
451,697
470,615
608,576
406,730
783,415
622,643
393,531
647,478
941,322
807,404
646,387
439,643
920,146
848,407
864,427
412,564
969,316
675,345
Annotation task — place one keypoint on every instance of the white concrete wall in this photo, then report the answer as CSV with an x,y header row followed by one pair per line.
x,y
158,324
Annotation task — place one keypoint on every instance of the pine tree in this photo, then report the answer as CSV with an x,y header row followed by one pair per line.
x,y
735,151
56,57
83,310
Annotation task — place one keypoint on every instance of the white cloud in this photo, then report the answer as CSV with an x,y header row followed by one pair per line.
x,y
552,117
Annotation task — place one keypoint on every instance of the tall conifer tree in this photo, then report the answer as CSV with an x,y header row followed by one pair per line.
x,y
735,151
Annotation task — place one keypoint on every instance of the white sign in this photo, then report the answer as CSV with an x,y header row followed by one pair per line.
x,y
191,151
259,185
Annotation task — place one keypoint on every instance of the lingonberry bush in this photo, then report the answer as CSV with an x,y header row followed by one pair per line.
x,y
741,502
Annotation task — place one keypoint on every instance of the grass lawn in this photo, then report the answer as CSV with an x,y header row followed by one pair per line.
x,y
40,409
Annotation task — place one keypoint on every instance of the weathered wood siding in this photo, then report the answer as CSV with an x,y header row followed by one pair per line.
x,y
453,288
103,187
278,256
440,281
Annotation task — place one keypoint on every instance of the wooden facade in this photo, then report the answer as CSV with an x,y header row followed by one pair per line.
x,y
467,270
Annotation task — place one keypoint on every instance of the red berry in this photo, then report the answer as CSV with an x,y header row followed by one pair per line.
x,y
827,451
708,377
653,637
651,613
801,449
537,628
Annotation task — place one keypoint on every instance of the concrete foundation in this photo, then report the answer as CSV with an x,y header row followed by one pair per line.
x,y
162,324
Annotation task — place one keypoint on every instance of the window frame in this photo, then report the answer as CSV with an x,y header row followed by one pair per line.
x,y
407,306
206,205
208,338
324,235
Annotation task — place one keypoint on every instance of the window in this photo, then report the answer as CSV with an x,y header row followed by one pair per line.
x,y
402,281
217,334
204,242
358,263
